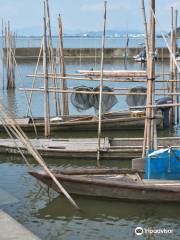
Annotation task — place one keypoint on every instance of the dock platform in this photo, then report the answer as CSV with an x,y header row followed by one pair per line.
x,y
10,229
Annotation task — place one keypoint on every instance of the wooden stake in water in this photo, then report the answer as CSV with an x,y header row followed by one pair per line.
x,y
150,123
46,83
2,51
52,61
101,85
65,107
10,62
172,115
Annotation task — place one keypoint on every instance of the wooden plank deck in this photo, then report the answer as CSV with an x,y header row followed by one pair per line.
x,y
111,148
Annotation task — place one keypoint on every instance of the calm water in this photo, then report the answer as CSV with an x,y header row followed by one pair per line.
x,y
89,42
50,216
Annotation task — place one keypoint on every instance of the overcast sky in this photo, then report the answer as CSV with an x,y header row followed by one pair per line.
x,y
83,15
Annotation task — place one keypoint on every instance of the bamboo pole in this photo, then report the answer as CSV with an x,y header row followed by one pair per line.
x,y
34,78
101,84
126,52
10,63
93,92
65,108
172,87
52,61
46,83
125,73
2,52
98,79
175,68
149,131
145,28
25,141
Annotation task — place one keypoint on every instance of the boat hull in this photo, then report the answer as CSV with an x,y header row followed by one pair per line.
x,y
107,188
119,121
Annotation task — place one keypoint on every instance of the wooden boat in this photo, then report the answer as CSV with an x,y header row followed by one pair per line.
x,y
86,148
114,121
124,184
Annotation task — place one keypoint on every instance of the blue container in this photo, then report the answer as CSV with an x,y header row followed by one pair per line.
x,y
165,165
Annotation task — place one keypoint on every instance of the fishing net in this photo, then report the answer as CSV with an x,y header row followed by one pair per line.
x,y
81,100
136,100
108,101
84,101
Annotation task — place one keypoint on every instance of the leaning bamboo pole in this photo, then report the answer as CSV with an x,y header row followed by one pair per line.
x,y
34,79
65,107
101,84
46,83
25,141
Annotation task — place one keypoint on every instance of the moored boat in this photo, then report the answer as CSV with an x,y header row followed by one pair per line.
x,y
121,184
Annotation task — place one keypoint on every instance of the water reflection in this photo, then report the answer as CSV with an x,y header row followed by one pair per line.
x,y
108,209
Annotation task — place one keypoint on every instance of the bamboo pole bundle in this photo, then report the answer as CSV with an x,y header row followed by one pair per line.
x,y
10,63
9,121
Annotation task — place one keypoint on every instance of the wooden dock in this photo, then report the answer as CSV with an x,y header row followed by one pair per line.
x,y
10,229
